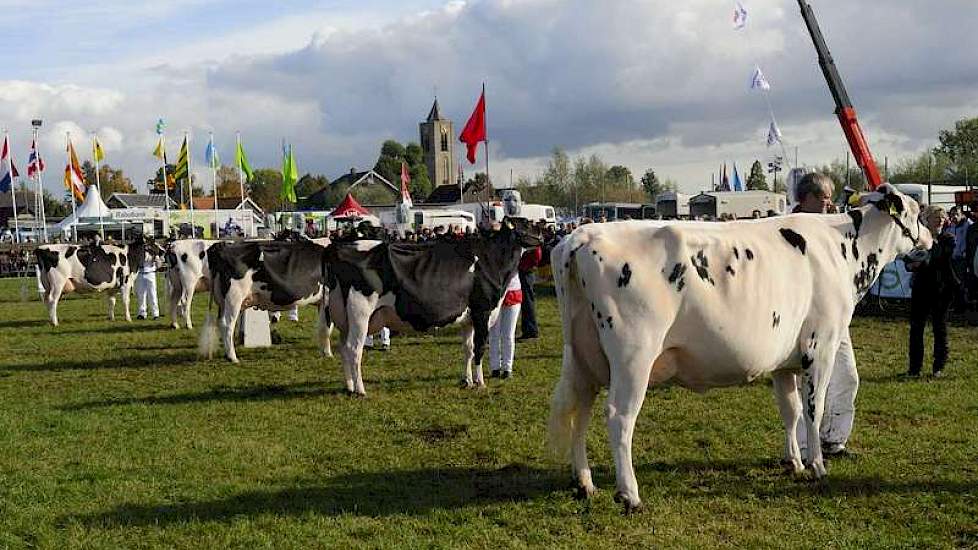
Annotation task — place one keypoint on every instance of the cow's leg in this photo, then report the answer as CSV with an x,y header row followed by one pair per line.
x,y
126,292
789,404
174,292
586,394
54,287
468,353
630,369
229,312
480,326
817,367
325,328
359,309
186,300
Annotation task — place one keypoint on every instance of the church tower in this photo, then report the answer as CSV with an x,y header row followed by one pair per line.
x,y
438,144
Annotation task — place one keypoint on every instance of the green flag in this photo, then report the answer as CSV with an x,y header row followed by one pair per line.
x,y
290,175
241,160
182,170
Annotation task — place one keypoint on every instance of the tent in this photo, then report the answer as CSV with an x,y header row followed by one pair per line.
x,y
88,212
350,208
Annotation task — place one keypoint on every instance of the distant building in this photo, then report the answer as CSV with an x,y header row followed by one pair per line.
x,y
25,206
137,200
438,144
352,180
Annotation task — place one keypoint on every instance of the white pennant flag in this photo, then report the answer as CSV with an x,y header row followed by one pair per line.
x,y
773,134
758,80
739,16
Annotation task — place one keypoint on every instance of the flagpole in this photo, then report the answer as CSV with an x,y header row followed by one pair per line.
x,y
71,188
98,185
213,163
190,186
166,184
39,183
13,188
241,189
485,120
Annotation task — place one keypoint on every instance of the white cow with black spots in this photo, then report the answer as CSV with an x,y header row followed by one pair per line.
x,y
105,268
708,305
188,272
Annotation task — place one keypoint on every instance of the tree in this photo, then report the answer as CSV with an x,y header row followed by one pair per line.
x,y
388,163
757,181
265,187
620,176
960,147
54,208
653,187
228,184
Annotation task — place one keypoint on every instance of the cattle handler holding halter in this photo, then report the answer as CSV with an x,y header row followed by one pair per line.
x,y
813,194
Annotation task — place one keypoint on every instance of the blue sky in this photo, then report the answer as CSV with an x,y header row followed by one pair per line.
x,y
645,83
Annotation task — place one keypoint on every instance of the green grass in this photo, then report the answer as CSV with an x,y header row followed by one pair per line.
x,y
115,435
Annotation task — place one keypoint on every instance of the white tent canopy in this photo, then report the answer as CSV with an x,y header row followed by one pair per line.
x,y
88,212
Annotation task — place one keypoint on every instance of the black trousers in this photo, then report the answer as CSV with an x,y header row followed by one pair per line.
x,y
528,309
928,304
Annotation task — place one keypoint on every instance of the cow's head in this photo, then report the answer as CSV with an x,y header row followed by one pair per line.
x,y
904,213
524,231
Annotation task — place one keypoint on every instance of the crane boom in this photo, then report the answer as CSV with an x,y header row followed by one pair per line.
x,y
843,106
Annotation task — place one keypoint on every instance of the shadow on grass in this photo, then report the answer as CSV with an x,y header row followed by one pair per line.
x,y
268,392
372,494
23,324
129,362
119,325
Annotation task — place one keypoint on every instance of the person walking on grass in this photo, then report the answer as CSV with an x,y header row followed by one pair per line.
x,y
934,285
502,333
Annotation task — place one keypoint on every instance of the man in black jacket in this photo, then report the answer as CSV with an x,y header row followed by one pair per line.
x,y
933,288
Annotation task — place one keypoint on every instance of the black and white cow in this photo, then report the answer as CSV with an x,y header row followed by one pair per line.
x,y
94,267
418,287
705,305
269,275
187,272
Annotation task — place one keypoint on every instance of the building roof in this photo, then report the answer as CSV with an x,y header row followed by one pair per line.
x,y
444,194
226,203
25,200
137,200
434,114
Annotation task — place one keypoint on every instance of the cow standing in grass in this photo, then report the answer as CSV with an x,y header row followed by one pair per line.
x,y
188,272
709,305
95,268
418,287
268,275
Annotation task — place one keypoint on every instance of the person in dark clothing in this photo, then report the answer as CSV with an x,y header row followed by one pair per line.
x,y
528,315
933,289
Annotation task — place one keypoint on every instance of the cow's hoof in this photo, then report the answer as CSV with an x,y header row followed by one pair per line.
x,y
792,467
630,506
356,394
583,492
465,384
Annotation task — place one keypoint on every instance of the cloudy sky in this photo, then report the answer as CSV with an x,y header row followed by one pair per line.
x,y
653,83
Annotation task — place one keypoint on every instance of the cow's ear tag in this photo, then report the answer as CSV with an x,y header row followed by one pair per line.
x,y
893,210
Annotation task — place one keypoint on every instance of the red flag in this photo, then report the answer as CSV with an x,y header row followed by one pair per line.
x,y
405,180
475,128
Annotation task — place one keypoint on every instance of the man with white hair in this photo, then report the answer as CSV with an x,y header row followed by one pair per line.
x,y
813,193
146,296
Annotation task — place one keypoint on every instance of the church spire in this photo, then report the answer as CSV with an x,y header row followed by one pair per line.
x,y
434,114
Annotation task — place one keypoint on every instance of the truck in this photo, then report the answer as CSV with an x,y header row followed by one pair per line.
x,y
738,204
672,204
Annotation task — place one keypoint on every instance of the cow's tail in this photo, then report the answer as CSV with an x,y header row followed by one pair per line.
x,y
564,404
209,338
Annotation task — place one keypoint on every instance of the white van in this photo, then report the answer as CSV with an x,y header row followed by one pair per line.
x,y
435,218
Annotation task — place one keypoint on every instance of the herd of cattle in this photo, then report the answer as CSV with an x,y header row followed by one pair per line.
x,y
698,304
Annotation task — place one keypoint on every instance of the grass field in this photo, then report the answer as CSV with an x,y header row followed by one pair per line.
x,y
115,435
